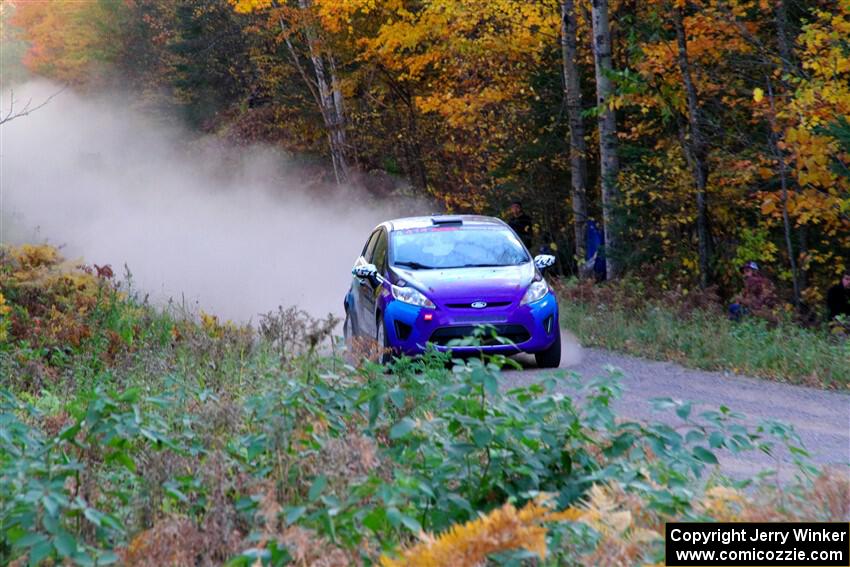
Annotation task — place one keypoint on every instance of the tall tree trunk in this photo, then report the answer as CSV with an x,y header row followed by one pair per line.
x,y
698,148
420,173
784,175
326,92
780,16
330,100
786,223
417,170
789,67
578,147
802,254
609,162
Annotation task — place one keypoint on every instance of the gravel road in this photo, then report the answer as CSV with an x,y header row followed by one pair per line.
x,y
821,418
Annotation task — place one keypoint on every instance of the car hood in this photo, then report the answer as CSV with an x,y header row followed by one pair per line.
x,y
503,283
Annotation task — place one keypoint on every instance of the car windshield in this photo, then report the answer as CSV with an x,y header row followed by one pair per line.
x,y
456,247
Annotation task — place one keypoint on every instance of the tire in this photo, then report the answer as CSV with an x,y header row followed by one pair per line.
x,y
385,357
348,328
551,357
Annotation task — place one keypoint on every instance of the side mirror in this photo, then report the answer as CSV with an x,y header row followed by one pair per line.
x,y
364,271
543,261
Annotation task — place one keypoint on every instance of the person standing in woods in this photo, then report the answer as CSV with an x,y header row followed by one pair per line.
x,y
838,298
758,296
521,223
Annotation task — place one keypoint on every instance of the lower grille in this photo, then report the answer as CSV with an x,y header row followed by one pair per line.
x,y
514,333
468,305
402,330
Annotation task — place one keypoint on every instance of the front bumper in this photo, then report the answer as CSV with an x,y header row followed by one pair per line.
x,y
532,327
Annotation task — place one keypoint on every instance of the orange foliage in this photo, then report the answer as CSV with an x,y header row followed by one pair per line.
x,y
52,300
469,544
69,40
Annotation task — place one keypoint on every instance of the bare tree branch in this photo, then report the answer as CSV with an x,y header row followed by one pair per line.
x,y
27,109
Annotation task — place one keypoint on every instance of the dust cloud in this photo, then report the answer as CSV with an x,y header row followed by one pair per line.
x,y
235,232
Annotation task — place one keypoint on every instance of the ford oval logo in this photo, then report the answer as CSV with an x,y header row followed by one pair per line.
x,y
478,304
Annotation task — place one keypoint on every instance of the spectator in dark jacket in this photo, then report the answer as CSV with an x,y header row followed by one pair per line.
x,y
521,223
838,298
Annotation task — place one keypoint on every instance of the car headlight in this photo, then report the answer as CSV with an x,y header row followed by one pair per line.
x,y
536,291
411,296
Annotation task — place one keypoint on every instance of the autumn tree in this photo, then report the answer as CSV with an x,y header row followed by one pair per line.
x,y
815,115
719,133
211,64
467,66
608,157
71,42
696,145
302,33
578,146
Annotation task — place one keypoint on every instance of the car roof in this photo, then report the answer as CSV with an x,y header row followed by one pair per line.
x,y
434,220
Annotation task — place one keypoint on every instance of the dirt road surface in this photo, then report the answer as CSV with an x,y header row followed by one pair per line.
x,y
821,418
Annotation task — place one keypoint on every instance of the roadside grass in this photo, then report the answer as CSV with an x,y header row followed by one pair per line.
x,y
704,338
145,436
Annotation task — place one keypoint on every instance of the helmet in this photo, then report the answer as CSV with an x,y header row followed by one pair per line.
x,y
750,265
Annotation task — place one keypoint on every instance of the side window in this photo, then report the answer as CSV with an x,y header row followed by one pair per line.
x,y
379,258
369,249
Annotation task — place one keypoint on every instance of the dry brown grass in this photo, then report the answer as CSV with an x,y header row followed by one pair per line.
x,y
634,295
826,500
305,546
293,332
629,528
364,348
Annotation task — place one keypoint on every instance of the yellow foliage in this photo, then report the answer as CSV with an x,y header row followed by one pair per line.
x,y
44,268
4,322
4,309
30,256
469,544
711,39
248,6
722,503
59,295
820,97
606,511
210,323
216,329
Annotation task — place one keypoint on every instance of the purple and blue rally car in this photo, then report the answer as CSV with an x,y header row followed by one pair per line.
x,y
433,279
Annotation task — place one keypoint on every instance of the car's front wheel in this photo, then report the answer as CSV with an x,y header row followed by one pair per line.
x,y
385,354
348,328
551,357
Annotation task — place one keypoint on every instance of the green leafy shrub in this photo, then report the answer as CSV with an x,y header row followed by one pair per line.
x,y
200,443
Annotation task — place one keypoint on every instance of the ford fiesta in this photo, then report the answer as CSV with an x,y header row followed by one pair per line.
x,y
423,280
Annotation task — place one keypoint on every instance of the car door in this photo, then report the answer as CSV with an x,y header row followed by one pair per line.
x,y
370,288
361,289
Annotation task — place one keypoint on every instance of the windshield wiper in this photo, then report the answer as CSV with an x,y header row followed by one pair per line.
x,y
483,265
414,265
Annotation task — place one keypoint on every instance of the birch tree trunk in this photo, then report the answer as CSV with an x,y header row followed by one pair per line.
x,y
609,161
696,146
578,147
325,88
330,100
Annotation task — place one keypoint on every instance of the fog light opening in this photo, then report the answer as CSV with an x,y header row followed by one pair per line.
x,y
402,330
